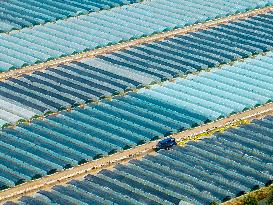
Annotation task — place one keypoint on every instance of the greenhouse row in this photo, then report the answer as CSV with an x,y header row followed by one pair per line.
x,y
98,29
213,169
113,74
71,138
17,15
136,102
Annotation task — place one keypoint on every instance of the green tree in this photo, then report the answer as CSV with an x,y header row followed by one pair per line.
x,y
270,199
250,200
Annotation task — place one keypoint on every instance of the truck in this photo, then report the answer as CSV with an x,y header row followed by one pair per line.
x,y
166,143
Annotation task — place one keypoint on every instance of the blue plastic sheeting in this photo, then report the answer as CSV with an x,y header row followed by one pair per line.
x,y
16,15
63,87
99,29
71,138
199,50
104,76
214,169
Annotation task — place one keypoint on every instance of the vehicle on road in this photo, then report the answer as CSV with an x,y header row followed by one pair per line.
x,y
166,143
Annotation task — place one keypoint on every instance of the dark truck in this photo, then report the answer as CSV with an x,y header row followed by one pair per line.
x,y
166,143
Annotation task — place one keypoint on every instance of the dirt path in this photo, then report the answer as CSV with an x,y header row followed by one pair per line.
x,y
109,162
108,49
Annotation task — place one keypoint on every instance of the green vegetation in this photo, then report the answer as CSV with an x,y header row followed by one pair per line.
x,y
250,200
270,198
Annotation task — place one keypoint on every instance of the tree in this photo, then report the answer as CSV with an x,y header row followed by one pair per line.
x,y
270,198
250,200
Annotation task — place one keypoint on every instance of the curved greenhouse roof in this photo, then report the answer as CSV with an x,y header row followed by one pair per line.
x,y
213,169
